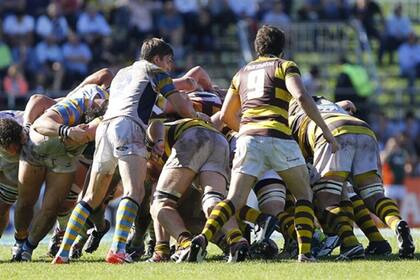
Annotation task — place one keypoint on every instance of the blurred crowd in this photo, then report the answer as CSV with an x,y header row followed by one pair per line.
x,y
52,45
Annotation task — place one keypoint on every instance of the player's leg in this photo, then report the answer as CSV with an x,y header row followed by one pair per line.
x,y
29,187
172,184
361,214
8,196
57,186
370,187
4,216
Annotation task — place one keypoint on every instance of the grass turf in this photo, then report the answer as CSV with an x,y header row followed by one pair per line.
x,y
93,267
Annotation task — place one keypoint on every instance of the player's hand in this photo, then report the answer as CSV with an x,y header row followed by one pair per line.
x,y
78,134
331,140
157,149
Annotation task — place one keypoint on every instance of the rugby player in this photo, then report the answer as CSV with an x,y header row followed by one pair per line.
x,y
55,141
262,90
358,160
194,149
120,141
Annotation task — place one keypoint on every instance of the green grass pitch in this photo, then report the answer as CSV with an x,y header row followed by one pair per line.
x,y
94,267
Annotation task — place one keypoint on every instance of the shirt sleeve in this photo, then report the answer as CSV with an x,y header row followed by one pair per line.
x,y
71,110
162,82
234,85
290,69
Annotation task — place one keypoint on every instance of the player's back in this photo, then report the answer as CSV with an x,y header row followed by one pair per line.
x,y
132,91
264,96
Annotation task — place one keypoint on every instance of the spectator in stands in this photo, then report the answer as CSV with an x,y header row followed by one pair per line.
x,y
338,10
141,18
202,34
171,28
410,125
311,80
53,24
50,58
394,159
277,16
310,10
409,59
71,10
398,28
353,83
36,8
15,86
5,58
222,14
18,27
382,126
367,12
92,26
77,56
244,8
189,10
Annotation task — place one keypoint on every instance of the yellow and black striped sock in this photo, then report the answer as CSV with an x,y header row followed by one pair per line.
x,y
287,225
162,248
233,236
342,225
75,225
304,224
126,213
250,214
289,206
389,213
184,239
220,214
364,221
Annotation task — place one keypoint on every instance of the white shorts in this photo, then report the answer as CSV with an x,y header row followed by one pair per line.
x,y
200,150
255,155
358,154
116,138
51,153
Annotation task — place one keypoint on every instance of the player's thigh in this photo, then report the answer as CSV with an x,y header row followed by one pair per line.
x,y
175,181
57,186
297,182
30,182
239,188
133,173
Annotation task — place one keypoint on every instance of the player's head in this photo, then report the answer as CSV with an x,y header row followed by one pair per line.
x,y
11,137
270,40
158,52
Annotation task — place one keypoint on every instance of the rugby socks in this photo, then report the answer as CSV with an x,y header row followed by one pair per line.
x,y
340,222
220,214
126,213
162,248
75,225
364,221
29,245
184,239
251,215
387,210
289,206
233,236
304,224
287,225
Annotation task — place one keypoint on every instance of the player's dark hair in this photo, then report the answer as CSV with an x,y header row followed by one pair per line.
x,y
10,132
155,46
270,40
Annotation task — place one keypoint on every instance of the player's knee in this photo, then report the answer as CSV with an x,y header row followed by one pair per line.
x,y
271,195
210,199
161,200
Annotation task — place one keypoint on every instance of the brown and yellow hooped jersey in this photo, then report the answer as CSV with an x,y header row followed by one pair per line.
x,y
309,135
173,130
264,97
